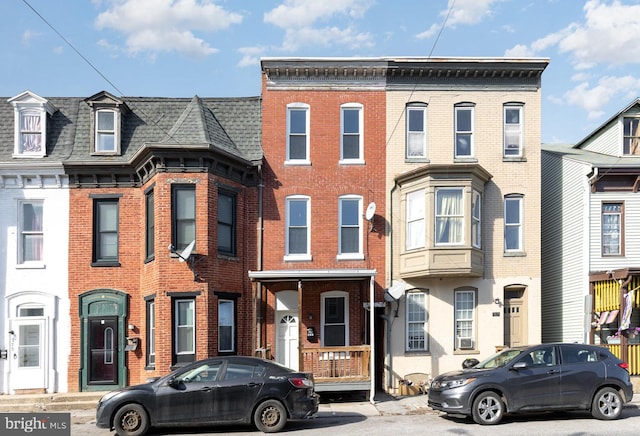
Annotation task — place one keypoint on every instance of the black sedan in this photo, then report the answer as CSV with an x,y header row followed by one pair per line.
x,y
221,390
537,378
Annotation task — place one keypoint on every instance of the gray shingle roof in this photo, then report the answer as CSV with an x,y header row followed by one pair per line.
x,y
232,125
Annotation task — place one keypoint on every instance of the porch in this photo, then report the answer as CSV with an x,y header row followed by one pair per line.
x,y
338,368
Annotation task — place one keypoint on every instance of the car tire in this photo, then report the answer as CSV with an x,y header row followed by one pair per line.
x,y
488,408
270,416
607,404
131,420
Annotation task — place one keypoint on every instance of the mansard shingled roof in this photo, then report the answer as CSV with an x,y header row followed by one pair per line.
x,y
231,125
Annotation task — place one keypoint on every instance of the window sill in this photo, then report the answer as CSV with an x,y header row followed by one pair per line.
x,y
298,258
465,159
105,153
354,256
31,265
298,163
150,259
105,264
28,155
351,162
229,257
417,160
514,159
460,352
515,254
417,353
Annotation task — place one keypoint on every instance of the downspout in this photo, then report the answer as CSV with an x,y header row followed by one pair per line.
x,y
258,289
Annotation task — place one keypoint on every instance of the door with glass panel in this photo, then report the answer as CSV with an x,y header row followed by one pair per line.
x,y
28,354
103,350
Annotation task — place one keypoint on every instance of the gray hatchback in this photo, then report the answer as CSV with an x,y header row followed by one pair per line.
x,y
536,378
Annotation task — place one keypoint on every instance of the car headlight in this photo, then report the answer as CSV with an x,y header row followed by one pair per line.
x,y
456,383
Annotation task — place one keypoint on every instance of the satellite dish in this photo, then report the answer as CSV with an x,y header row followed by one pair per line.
x,y
187,251
371,210
396,290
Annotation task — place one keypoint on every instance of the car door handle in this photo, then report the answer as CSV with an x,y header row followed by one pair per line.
x,y
205,389
553,371
252,384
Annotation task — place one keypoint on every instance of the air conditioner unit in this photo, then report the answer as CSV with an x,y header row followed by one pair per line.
x,y
465,344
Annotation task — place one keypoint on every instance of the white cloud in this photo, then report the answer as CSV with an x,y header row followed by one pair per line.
x,y
464,12
166,25
594,99
251,55
28,36
299,19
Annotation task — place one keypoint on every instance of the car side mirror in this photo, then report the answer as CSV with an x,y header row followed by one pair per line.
x,y
173,382
520,365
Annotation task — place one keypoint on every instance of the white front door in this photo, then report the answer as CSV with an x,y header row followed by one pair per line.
x,y
287,345
28,366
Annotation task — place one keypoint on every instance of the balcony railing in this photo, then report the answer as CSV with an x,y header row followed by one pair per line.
x,y
337,364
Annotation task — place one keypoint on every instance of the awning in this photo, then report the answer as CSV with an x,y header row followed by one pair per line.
x,y
310,274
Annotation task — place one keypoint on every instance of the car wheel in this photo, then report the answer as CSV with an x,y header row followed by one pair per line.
x,y
270,416
131,420
488,408
607,404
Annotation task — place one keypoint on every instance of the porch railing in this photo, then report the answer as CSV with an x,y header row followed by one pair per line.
x,y
337,364
633,356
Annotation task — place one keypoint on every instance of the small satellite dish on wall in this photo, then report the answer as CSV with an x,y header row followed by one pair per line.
x,y
396,290
371,210
187,251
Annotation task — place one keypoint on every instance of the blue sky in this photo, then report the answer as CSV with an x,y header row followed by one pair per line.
x,y
211,48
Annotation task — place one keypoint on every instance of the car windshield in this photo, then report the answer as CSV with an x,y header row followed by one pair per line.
x,y
499,360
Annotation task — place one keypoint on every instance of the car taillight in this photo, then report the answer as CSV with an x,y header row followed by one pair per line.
x,y
624,365
300,382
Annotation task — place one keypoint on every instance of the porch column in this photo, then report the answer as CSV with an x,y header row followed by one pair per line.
x,y
372,354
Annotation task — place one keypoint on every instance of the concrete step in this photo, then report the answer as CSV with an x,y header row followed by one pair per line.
x,y
50,402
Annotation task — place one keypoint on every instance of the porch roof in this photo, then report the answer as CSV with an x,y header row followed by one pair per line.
x,y
310,274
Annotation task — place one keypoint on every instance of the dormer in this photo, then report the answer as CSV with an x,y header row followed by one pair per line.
x,y
30,124
107,112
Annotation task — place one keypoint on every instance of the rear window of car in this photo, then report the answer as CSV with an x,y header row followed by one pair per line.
x,y
578,355
239,370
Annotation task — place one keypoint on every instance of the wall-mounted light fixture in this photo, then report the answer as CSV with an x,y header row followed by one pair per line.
x,y
131,327
497,301
310,315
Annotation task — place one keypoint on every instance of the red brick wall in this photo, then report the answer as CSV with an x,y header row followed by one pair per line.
x,y
165,274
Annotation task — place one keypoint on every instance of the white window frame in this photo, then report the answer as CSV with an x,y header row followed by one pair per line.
x,y
419,135
517,225
191,306
107,132
476,219
351,107
298,107
417,317
452,217
631,140
608,230
512,130
30,104
461,315
23,234
342,225
224,322
415,220
297,256
151,313
470,133
334,294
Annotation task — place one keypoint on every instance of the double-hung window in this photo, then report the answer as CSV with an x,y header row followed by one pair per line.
x,y
105,233
30,134
226,223
449,225
30,113
465,307
150,225
106,140
151,333
351,138
226,326
298,236
612,229
184,330
415,220
183,215
476,219
631,140
416,305
513,221
350,223
30,247
297,133
513,130
416,131
464,125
